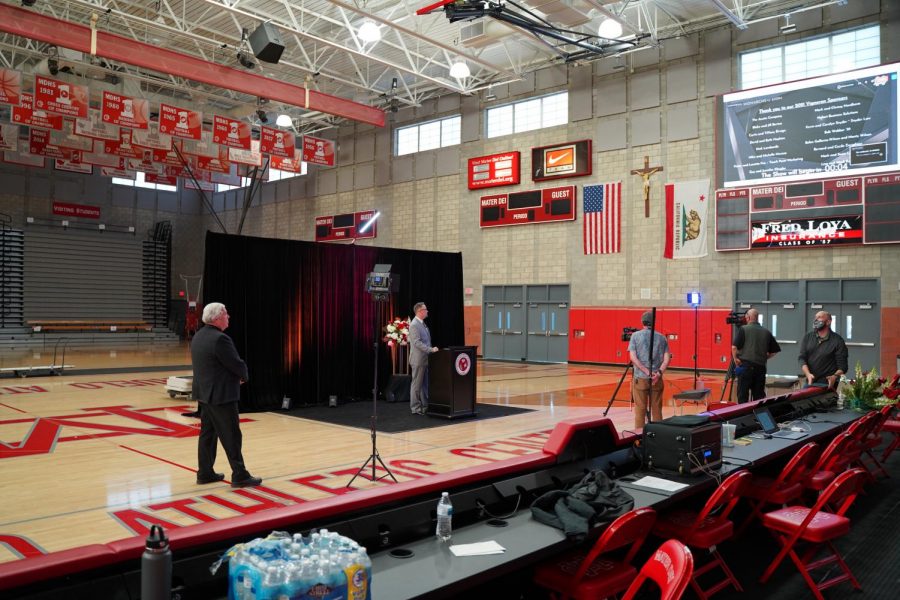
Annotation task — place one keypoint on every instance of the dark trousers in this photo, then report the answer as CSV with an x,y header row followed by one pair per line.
x,y
751,382
220,422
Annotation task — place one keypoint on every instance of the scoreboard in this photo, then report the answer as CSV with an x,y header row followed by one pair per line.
x,y
532,206
345,227
803,214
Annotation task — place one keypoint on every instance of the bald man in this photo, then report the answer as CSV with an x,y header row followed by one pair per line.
x,y
753,345
823,354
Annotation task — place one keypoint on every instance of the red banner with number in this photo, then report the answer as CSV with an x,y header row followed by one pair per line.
x,y
125,111
60,97
24,114
318,151
231,132
180,122
276,142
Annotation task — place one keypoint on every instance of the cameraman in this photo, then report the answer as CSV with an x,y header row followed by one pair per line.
x,y
752,346
647,384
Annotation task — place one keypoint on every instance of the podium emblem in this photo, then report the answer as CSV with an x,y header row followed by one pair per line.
x,y
463,364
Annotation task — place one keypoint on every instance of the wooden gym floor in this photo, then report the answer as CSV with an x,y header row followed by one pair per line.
x,y
93,458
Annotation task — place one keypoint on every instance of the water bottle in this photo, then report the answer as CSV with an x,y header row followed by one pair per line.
x,y
366,562
444,518
271,586
840,398
156,566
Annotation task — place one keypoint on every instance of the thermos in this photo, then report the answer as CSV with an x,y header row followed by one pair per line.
x,y
156,566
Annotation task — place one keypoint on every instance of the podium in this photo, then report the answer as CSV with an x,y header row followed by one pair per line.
x,y
451,389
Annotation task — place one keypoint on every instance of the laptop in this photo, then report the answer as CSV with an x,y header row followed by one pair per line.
x,y
770,427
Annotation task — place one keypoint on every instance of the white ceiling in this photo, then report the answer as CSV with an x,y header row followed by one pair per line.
x,y
322,48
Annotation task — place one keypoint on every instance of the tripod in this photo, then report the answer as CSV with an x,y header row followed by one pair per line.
x,y
375,458
729,380
616,391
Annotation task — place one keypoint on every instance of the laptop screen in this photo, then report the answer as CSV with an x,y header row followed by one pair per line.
x,y
765,420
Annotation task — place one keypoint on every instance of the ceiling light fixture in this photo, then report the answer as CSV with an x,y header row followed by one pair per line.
x,y
284,120
788,27
369,32
459,70
610,29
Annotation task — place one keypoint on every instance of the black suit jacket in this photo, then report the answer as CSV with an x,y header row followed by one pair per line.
x,y
218,369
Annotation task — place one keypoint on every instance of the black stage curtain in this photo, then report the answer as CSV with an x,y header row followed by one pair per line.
x,y
301,318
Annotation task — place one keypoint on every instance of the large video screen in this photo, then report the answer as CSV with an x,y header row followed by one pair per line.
x,y
829,126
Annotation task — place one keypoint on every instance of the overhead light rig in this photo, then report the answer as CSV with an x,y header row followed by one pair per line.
x,y
571,45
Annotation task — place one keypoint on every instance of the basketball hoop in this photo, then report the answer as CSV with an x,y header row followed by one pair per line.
x,y
192,286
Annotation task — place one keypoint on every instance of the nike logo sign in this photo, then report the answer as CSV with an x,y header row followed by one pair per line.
x,y
555,159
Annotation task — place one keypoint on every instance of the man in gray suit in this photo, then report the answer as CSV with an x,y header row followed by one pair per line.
x,y
218,375
419,349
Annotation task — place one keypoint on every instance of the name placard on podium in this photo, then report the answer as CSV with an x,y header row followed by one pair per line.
x,y
451,390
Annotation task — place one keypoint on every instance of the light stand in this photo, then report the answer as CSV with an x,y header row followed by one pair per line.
x,y
694,300
378,284
626,336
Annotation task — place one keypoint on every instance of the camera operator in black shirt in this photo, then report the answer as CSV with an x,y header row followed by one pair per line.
x,y
823,354
752,346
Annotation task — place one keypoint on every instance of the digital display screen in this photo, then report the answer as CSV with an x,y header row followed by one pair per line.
x,y
828,126
347,220
530,199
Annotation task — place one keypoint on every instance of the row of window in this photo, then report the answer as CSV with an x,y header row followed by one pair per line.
x,y
834,53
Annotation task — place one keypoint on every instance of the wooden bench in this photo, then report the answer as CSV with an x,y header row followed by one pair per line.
x,y
58,325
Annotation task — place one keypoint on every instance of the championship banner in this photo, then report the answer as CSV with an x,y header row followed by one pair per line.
x,y
60,97
73,166
22,157
231,132
205,185
807,232
116,172
276,142
686,209
24,114
230,178
252,157
9,137
10,86
125,111
151,138
318,151
102,159
180,122
203,147
213,164
291,165
169,158
161,179
39,144
123,147
66,138
144,165
94,127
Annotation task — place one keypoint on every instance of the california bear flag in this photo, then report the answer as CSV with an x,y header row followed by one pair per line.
x,y
686,204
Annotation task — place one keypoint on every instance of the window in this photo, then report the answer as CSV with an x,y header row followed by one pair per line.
x,y
140,181
834,53
527,115
274,175
428,136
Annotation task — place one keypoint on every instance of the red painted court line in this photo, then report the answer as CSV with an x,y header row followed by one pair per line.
x,y
14,408
174,464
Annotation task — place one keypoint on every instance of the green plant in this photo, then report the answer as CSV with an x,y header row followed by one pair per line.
x,y
866,388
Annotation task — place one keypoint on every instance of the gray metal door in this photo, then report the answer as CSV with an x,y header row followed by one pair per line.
x,y
860,326
785,321
492,325
503,322
558,331
538,330
514,335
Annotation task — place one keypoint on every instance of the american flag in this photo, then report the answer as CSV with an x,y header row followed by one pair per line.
x,y
602,216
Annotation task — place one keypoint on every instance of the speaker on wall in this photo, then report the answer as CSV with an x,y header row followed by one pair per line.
x,y
266,43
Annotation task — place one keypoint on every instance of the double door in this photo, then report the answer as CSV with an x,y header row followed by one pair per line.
x,y
526,323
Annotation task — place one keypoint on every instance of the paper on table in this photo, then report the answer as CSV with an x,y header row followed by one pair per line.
x,y
658,483
478,549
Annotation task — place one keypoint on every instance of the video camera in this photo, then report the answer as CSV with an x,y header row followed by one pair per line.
x,y
736,318
626,333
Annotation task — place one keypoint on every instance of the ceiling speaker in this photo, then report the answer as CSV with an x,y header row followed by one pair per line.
x,y
266,43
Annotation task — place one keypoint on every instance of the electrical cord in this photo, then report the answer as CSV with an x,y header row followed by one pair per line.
x,y
482,506
705,469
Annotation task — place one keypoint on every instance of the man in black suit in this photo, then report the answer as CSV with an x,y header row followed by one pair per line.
x,y
218,375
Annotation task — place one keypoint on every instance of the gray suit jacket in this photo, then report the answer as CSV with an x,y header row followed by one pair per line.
x,y
218,369
419,343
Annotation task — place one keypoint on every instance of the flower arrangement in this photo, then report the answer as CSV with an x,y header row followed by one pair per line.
x,y
867,390
397,332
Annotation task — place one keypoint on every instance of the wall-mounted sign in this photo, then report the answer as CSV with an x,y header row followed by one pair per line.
x,y
561,160
318,151
533,206
85,211
276,142
345,227
60,97
180,122
803,233
125,111
494,170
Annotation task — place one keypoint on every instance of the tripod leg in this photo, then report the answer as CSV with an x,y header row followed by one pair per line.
x,y
616,391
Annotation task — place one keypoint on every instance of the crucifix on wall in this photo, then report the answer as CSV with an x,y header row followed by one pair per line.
x,y
645,174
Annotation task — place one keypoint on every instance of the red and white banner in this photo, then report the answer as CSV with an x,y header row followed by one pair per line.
x,y
230,178
276,142
9,137
686,210
168,157
602,218
494,170
102,159
86,211
215,164
252,157
73,166
292,165
204,146
161,179
39,144
116,172
22,157
144,165
94,127
231,132
24,114
60,97
180,122
125,111
10,86
66,138
151,138
124,146
318,151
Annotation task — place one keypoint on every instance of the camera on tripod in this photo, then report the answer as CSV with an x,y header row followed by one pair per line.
x,y
626,333
736,318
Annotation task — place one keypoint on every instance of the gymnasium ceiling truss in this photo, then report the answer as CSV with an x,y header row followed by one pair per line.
x,y
325,53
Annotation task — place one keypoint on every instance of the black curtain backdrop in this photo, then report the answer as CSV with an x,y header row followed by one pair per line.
x,y
301,318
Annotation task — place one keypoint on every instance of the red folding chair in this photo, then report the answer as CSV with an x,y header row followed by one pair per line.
x,y
670,568
860,430
706,529
891,426
818,528
874,439
832,461
583,576
787,487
